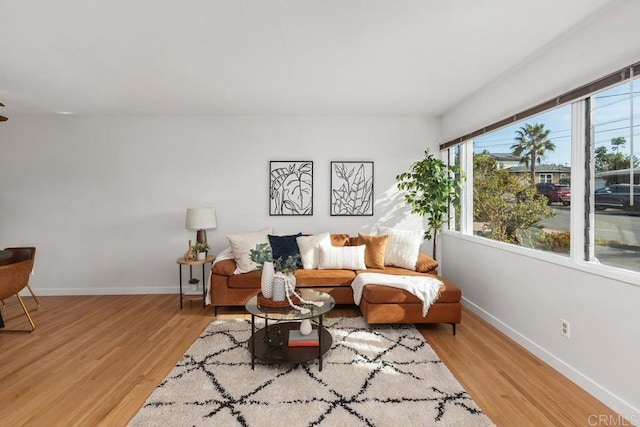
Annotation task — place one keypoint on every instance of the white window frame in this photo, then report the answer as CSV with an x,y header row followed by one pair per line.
x,y
548,178
579,258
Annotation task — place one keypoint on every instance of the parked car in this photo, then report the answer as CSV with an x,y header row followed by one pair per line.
x,y
617,196
555,192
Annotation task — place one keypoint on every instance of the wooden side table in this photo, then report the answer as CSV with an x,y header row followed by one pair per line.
x,y
181,261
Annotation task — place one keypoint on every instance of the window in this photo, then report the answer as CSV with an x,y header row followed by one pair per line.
x,y
453,157
546,177
615,115
509,204
521,177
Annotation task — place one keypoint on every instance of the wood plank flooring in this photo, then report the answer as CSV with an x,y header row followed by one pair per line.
x,y
94,360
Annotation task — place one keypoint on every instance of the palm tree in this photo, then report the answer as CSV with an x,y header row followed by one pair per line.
x,y
531,143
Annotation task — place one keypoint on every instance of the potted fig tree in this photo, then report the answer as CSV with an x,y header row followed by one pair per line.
x,y
431,187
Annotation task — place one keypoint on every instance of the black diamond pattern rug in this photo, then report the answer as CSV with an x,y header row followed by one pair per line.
x,y
373,375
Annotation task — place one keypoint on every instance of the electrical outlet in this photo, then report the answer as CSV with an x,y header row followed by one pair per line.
x,y
564,328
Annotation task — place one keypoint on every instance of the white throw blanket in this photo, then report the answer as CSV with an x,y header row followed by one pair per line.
x,y
427,289
226,254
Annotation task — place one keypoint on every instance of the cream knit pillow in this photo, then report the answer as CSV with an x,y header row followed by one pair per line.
x,y
310,249
339,258
402,247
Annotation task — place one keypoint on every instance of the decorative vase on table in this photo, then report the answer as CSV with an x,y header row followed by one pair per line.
x,y
200,256
305,327
266,281
279,284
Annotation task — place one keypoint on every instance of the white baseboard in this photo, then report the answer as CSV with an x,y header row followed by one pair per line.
x,y
614,402
128,290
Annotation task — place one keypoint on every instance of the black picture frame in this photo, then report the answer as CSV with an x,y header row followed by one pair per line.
x,y
291,188
351,188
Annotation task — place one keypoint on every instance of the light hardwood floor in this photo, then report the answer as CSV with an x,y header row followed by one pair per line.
x,y
94,360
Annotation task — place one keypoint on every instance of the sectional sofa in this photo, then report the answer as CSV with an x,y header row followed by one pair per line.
x,y
379,304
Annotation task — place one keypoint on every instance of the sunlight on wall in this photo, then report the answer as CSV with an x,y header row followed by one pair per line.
x,y
394,212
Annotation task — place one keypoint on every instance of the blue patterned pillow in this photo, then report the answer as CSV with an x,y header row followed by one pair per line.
x,y
285,246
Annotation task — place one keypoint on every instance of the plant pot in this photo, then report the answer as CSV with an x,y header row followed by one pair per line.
x,y
200,256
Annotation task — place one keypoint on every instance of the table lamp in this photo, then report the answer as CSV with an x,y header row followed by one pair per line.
x,y
201,219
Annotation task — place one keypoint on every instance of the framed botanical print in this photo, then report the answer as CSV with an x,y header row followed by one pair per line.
x,y
290,188
351,188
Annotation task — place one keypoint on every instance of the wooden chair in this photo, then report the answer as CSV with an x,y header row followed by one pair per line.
x,y
14,277
22,254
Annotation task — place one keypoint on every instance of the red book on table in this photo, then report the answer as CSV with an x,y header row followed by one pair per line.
x,y
296,339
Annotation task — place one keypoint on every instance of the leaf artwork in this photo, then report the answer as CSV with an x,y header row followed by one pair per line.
x,y
351,188
291,188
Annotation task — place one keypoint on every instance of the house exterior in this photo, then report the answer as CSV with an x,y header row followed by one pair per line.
x,y
505,160
554,174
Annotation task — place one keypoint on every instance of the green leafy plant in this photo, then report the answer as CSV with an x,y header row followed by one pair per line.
x,y
559,241
261,254
194,281
287,266
532,141
201,247
507,206
431,187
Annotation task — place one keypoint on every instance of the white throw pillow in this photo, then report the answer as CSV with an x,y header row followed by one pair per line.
x,y
402,247
310,249
242,243
344,257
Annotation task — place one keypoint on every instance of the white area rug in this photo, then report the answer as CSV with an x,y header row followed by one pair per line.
x,y
383,375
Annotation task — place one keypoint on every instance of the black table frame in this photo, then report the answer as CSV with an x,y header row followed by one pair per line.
x,y
191,277
283,353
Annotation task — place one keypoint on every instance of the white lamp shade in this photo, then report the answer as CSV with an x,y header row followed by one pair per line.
x,y
201,219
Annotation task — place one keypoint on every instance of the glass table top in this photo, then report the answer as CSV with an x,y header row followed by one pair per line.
x,y
290,313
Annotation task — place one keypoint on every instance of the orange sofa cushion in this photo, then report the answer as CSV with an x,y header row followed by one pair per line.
x,y
425,263
340,239
374,249
310,278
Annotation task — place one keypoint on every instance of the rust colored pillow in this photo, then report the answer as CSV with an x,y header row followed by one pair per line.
x,y
226,267
425,263
374,249
339,240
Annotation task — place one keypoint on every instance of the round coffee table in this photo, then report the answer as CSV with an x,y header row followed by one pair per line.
x,y
271,342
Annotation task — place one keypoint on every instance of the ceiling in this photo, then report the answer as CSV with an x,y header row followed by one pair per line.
x,y
267,57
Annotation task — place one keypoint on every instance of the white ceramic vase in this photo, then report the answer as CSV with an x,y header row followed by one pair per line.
x,y
266,281
278,287
200,256
306,327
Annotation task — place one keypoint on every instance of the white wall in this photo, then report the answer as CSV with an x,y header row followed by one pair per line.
x,y
526,297
104,199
